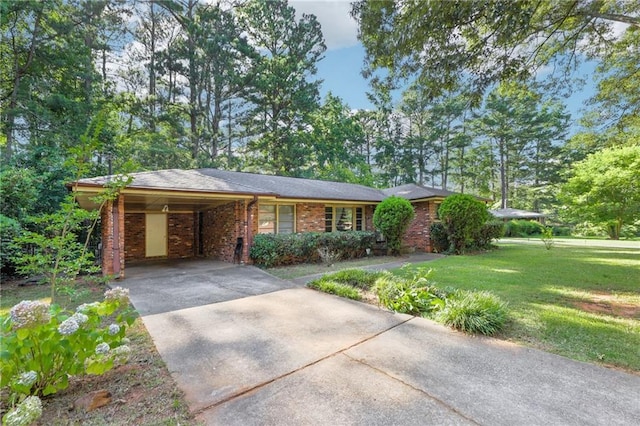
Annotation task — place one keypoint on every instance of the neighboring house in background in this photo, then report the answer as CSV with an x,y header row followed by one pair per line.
x,y
175,214
509,214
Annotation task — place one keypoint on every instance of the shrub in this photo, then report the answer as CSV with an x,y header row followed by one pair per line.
x,y
523,228
408,296
9,229
333,287
489,232
473,312
463,216
357,278
561,231
439,237
43,345
270,250
392,217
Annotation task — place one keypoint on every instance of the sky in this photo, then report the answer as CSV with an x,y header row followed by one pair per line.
x,y
342,64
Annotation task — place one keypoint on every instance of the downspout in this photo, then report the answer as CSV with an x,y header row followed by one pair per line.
x,y
249,223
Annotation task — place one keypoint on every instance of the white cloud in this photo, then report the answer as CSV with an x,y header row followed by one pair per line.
x,y
338,27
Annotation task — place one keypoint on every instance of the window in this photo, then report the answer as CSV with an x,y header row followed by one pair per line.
x,y
343,219
437,207
274,218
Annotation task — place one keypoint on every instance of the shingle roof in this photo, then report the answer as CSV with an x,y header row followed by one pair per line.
x,y
412,191
214,180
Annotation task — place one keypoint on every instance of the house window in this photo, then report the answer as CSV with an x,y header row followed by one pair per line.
x,y
343,219
437,207
276,219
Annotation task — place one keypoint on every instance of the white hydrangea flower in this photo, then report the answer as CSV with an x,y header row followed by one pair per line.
x,y
80,318
117,294
87,307
114,329
25,413
29,313
28,378
121,354
103,348
68,326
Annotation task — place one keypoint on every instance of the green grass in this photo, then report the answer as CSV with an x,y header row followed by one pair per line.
x,y
83,292
580,302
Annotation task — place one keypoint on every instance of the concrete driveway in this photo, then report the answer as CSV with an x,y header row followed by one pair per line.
x,y
165,286
300,357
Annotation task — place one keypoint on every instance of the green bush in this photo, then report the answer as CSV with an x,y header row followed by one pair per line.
x,y
270,250
337,288
463,217
392,217
561,231
9,229
473,312
357,278
523,228
43,346
439,238
408,296
485,236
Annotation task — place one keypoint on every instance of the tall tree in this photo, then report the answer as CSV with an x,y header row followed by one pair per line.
x,y
279,85
491,40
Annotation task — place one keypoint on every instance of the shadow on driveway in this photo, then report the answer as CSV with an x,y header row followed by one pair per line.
x,y
164,286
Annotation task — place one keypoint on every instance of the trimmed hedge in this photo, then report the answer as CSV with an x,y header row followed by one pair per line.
x,y
523,228
270,250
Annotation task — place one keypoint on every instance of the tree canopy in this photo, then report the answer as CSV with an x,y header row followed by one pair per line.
x,y
487,41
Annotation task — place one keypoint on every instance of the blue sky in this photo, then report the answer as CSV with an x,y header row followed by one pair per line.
x,y
340,69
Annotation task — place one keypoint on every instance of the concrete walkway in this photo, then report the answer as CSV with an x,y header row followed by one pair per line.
x,y
300,357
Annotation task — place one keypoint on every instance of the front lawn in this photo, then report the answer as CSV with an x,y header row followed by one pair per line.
x,y
580,302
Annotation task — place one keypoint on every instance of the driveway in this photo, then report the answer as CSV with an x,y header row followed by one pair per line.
x,y
165,286
299,357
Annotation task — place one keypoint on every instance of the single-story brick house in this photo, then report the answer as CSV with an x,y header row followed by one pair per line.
x,y
175,214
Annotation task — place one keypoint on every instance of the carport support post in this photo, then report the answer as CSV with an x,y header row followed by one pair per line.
x,y
112,217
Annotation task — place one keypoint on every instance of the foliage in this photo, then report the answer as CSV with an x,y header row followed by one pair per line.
x,y
588,229
561,231
495,41
43,345
522,228
603,188
487,234
270,250
463,216
333,287
547,237
473,312
439,237
357,278
9,230
392,217
413,296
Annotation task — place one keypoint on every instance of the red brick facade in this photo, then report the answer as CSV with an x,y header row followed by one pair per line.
x,y
220,228
309,217
113,236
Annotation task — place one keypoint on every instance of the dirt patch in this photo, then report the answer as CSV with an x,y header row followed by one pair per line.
x,y
607,304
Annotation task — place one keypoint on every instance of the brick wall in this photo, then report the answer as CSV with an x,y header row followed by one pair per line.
x,y
134,226
368,218
222,225
417,235
181,235
112,217
309,217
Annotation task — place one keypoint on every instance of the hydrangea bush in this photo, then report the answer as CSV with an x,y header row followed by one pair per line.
x,y
44,345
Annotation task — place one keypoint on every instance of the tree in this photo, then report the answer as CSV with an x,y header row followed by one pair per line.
x,y
603,188
278,83
521,132
463,217
487,41
392,217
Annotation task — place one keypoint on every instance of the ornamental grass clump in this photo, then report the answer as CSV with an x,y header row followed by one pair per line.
x,y
44,345
477,312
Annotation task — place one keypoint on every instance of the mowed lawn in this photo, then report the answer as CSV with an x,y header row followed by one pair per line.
x,y
583,303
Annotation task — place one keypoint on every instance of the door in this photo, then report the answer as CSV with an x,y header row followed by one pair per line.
x,y
156,235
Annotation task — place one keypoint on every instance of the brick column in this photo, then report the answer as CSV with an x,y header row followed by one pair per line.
x,y
112,217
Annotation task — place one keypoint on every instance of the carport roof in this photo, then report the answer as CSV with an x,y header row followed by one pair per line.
x,y
228,182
